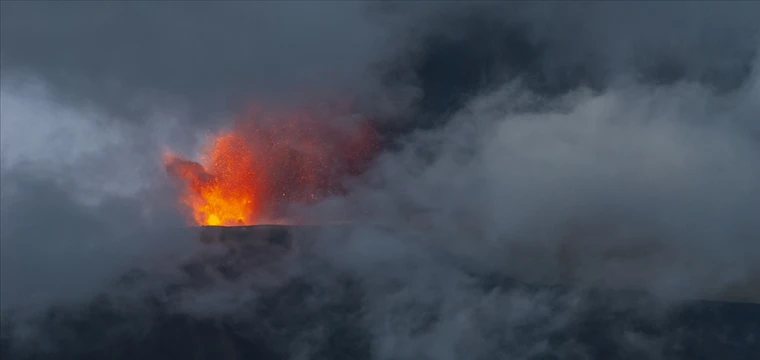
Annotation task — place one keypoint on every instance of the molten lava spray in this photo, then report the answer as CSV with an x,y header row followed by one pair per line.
x,y
266,160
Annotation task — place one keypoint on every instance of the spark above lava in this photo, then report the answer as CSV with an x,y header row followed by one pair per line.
x,y
266,160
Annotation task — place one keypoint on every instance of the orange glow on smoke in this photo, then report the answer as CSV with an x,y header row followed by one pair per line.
x,y
266,160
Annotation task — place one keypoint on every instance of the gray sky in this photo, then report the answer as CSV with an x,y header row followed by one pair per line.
x,y
213,56
209,54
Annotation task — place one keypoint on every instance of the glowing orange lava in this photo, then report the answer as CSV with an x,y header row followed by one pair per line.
x,y
267,160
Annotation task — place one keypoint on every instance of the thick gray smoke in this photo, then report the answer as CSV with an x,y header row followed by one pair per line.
x,y
79,195
667,173
603,145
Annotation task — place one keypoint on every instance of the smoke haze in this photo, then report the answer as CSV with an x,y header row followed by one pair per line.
x,y
525,139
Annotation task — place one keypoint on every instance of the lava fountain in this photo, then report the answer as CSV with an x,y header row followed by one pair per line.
x,y
267,159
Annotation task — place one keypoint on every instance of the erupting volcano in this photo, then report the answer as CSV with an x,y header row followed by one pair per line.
x,y
268,159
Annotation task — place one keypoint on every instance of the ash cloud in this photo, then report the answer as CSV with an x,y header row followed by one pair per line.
x,y
529,139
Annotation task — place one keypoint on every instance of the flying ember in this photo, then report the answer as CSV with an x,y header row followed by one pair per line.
x,y
266,160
